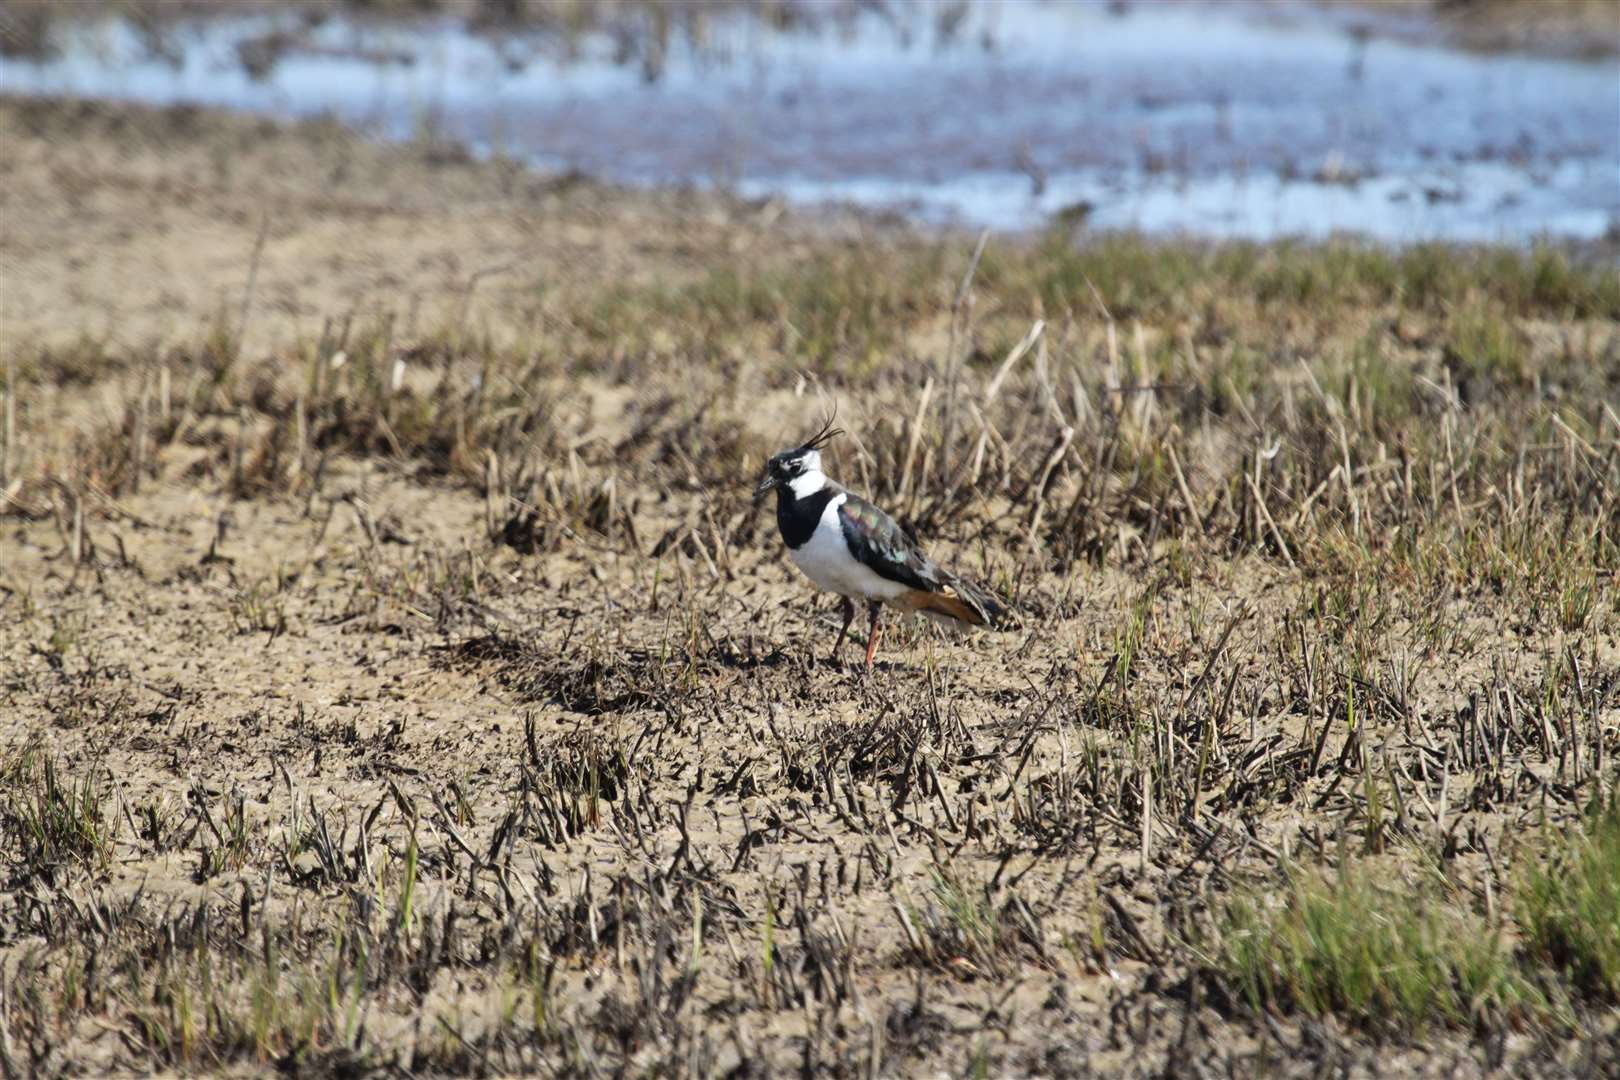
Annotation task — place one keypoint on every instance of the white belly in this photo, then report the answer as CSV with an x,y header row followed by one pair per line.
x,y
826,560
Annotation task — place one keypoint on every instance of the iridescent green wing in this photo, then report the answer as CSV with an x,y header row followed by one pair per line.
x,y
878,542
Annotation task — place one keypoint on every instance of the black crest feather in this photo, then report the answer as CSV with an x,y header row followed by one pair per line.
x,y
826,435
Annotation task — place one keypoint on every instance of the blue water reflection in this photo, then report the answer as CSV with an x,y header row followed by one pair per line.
x,y
1220,121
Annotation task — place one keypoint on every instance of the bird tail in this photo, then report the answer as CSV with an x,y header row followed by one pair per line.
x,y
966,604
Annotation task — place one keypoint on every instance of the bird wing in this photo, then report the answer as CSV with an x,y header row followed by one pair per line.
x,y
879,543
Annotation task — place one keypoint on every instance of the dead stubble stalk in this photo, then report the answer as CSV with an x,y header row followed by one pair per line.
x,y
961,312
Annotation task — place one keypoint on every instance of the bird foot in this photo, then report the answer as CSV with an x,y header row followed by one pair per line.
x,y
839,663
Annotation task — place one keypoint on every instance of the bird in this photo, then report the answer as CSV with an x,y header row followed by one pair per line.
x,y
848,546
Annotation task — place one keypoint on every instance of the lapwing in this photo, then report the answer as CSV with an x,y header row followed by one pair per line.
x,y
847,546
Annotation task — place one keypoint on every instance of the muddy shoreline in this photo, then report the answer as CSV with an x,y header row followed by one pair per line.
x,y
131,225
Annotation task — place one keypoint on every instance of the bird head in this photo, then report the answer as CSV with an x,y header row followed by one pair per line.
x,y
783,468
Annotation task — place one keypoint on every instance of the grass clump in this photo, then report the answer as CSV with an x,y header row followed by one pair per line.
x,y
843,304
48,819
1370,951
1486,345
1570,906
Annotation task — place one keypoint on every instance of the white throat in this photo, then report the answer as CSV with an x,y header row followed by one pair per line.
x,y
808,482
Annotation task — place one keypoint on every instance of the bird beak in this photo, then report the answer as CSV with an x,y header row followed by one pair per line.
x,y
765,487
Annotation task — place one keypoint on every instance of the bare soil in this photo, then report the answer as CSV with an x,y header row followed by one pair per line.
x,y
418,750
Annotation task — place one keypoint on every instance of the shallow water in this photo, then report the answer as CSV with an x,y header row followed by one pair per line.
x,y
1221,121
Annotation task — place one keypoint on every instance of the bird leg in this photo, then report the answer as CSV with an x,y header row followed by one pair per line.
x,y
849,617
873,610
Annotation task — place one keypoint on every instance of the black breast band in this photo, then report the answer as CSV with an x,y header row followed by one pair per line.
x,y
797,517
